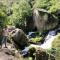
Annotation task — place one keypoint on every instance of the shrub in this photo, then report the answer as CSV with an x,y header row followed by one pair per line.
x,y
3,16
32,50
50,5
41,4
20,12
36,39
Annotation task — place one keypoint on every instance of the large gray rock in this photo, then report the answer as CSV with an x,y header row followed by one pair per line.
x,y
19,37
43,20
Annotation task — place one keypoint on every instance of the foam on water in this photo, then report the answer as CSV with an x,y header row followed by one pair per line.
x,y
48,44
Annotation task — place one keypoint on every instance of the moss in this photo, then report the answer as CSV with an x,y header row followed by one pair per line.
x,y
56,42
36,39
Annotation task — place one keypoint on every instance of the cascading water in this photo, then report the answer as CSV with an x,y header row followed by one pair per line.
x,y
46,45
48,40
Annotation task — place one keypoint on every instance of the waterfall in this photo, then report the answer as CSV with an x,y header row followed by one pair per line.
x,y
46,45
48,40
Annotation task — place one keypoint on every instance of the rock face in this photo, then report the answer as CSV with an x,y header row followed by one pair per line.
x,y
43,20
6,54
19,37
30,24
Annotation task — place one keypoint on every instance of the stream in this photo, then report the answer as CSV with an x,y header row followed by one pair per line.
x,y
46,45
48,40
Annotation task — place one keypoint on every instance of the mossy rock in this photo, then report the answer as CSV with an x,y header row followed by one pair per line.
x,y
56,42
56,47
36,39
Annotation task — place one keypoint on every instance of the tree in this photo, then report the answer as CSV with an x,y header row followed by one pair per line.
x,y
41,4
3,16
51,5
55,6
20,12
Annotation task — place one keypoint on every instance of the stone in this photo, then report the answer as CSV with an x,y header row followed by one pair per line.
x,y
6,54
41,54
31,34
19,37
43,20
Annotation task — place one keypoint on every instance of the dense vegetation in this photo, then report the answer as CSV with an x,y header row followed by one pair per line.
x,y
23,9
56,47
16,12
3,16
50,5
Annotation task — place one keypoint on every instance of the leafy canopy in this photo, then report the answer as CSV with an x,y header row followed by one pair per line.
x,y
51,5
20,12
3,15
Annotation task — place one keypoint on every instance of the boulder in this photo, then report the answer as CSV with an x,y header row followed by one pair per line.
x,y
6,54
43,20
19,37
41,54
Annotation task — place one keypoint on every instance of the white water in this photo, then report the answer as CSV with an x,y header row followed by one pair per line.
x,y
47,43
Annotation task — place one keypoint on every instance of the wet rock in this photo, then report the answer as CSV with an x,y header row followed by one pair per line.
x,y
19,37
42,54
24,52
31,34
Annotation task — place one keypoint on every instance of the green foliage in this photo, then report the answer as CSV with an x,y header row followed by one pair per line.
x,y
32,50
36,39
56,47
55,50
55,6
51,5
3,16
41,4
20,12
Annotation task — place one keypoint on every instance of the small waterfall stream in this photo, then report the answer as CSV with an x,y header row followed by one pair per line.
x,y
48,40
46,45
